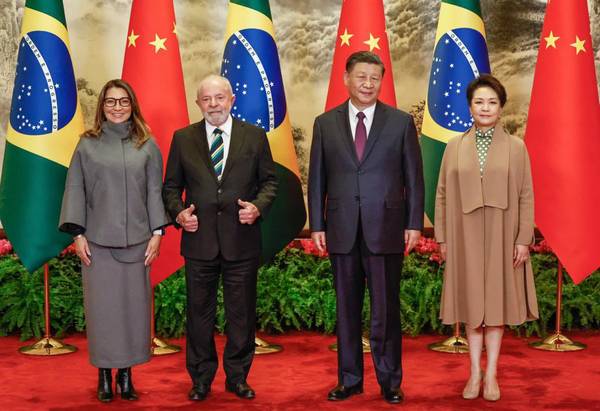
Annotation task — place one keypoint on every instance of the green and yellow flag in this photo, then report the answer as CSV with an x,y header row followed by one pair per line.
x,y
251,63
44,127
460,55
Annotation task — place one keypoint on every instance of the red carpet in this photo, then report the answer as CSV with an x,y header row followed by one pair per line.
x,y
299,378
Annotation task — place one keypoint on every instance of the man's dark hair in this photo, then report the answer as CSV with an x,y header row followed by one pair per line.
x,y
363,57
487,80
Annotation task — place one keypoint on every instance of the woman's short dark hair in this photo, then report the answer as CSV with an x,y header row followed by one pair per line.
x,y
487,80
363,57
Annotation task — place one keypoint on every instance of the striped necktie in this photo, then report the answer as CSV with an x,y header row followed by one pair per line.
x,y
217,149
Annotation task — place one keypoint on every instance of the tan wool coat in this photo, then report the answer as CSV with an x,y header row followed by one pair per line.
x,y
481,219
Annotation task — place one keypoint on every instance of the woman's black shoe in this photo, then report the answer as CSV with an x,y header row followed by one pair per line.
x,y
105,393
125,384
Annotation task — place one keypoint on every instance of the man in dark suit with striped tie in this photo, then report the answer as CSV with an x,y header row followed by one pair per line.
x,y
365,200
225,168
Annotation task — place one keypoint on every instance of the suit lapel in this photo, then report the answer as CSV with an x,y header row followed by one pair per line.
x,y
379,120
343,121
235,144
202,144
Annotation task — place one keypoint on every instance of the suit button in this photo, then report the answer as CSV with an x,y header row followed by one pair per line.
x,y
219,212
357,198
360,172
220,191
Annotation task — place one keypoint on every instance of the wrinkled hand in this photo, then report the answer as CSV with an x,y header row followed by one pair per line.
x,y
318,238
248,213
152,249
520,255
187,220
82,249
411,238
443,250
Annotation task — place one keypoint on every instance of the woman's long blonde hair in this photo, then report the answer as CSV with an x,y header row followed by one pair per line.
x,y
140,132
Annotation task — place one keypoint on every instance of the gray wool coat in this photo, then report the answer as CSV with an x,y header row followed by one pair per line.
x,y
113,189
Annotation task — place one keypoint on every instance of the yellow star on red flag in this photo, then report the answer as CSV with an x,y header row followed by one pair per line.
x,y
346,38
132,38
551,40
158,43
579,45
373,42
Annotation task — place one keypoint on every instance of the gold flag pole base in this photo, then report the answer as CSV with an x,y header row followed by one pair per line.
x,y
558,342
158,346
161,347
452,345
262,347
48,346
366,346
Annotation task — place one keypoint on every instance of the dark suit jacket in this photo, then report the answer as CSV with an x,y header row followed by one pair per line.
x,y
386,187
249,175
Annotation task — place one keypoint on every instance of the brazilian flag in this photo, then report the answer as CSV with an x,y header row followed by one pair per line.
x,y
460,55
44,127
251,63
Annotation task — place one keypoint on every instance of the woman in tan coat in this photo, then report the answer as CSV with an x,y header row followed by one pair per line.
x,y
484,224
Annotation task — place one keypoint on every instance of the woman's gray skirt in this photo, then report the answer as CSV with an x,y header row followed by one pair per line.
x,y
117,293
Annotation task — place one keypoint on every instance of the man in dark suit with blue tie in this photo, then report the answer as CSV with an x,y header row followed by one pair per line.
x,y
226,170
365,200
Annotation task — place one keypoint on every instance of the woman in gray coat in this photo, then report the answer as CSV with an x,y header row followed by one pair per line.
x,y
112,206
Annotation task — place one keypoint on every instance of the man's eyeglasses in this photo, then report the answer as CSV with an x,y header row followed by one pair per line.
x,y
123,101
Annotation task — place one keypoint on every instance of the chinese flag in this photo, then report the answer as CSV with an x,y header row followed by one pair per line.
x,y
563,138
362,27
153,68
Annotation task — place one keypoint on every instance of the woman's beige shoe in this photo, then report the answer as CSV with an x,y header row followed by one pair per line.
x,y
491,390
472,390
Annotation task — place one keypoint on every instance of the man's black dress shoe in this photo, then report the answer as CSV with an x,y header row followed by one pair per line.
x,y
392,395
199,392
105,392
241,389
341,392
125,384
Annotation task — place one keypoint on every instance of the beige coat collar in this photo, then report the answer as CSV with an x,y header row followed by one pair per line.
x,y
492,189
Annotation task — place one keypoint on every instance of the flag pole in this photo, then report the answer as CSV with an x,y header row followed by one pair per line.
x,y
159,346
557,341
456,344
47,345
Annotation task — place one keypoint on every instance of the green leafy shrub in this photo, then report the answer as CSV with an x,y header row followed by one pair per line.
x,y
294,291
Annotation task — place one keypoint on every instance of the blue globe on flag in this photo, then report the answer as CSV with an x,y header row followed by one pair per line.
x,y
45,94
459,57
251,63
